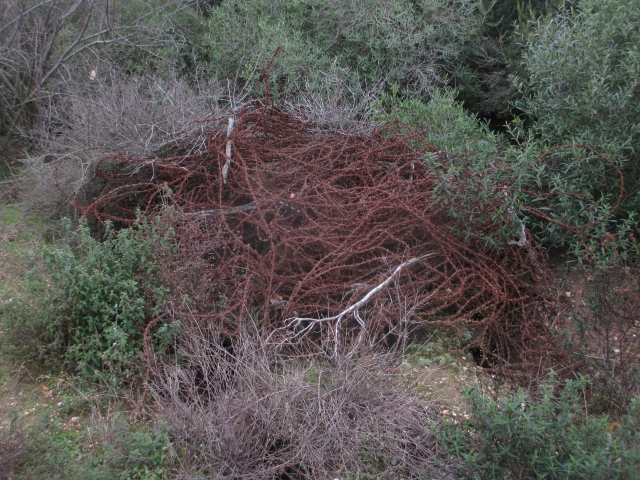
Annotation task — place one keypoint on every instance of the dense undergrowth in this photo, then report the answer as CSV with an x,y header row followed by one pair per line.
x,y
170,355
552,436
86,302
119,451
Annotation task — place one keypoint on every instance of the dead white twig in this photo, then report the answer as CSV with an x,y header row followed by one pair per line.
x,y
225,169
522,240
353,309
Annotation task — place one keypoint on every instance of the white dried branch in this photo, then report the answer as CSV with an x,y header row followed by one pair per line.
x,y
353,309
248,207
522,237
229,212
225,169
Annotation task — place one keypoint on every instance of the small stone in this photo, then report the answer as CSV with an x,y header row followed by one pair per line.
x,y
568,294
75,419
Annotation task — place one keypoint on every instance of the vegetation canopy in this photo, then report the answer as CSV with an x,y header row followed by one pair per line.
x,y
302,239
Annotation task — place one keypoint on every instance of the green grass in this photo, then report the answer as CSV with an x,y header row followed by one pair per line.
x,y
20,235
63,447
55,427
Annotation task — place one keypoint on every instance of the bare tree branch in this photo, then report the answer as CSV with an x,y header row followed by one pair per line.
x,y
31,56
294,322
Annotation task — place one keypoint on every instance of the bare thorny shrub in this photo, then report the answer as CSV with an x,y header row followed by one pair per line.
x,y
608,334
42,42
62,107
242,408
337,107
145,117
12,448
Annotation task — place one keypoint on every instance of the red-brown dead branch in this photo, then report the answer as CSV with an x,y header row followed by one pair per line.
x,y
305,228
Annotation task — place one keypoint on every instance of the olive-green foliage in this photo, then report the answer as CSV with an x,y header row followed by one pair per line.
x,y
441,119
553,437
469,181
363,44
135,454
582,85
90,301
605,252
168,42
495,52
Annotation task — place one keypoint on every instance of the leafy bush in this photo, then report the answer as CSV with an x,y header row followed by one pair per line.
x,y
471,174
413,43
132,453
494,53
553,437
606,324
93,300
581,86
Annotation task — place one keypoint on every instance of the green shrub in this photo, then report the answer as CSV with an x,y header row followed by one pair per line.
x,y
91,301
169,41
581,86
134,454
553,437
494,53
413,43
469,181
442,120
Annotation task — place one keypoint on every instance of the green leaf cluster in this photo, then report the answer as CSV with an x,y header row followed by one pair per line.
x,y
552,437
472,171
582,85
494,53
123,451
89,301
326,46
